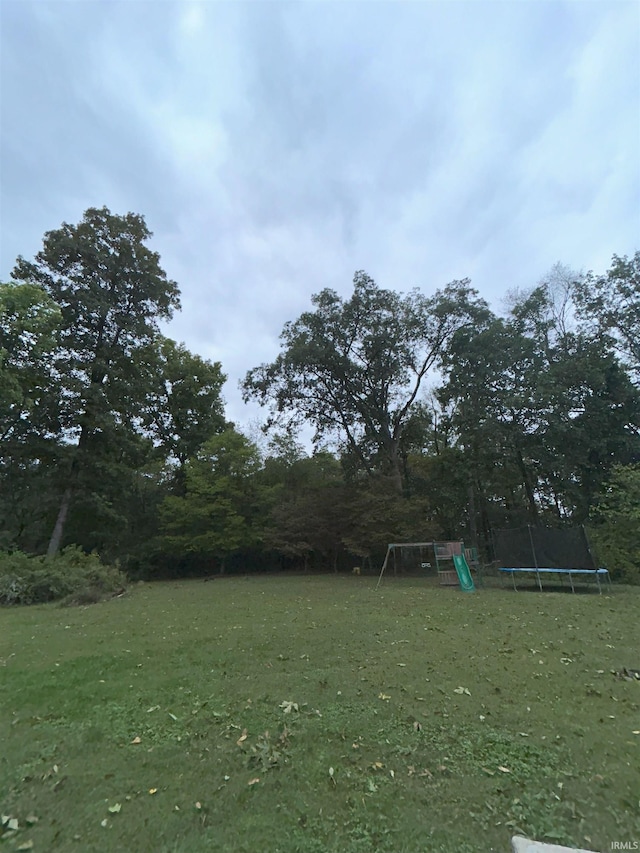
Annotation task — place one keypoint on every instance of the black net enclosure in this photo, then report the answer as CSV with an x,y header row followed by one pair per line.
x,y
543,547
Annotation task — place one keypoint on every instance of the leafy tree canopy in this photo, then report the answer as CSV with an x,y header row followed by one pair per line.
x,y
353,367
220,512
610,303
111,292
29,319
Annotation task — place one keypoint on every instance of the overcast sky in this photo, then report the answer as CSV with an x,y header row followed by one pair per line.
x,y
274,148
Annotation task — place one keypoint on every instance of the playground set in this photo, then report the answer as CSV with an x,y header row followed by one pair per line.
x,y
452,560
539,552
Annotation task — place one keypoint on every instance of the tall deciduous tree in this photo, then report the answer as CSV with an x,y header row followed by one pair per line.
x,y
29,319
354,368
111,292
610,303
187,408
617,519
540,412
307,510
221,511
29,423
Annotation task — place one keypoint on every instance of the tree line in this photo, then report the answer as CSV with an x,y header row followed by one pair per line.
x,y
433,417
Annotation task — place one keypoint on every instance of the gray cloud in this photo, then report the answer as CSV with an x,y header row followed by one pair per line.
x,y
274,148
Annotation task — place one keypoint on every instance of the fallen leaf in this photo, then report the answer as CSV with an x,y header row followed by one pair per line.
x,y
253,781
173,716
288,707
115,808
242,738
198,805
152,790
26,845
504,769
384,697
136,740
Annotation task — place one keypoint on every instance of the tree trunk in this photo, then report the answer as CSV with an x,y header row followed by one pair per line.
x,y
473,527
58,530
63,512
526,482
395,467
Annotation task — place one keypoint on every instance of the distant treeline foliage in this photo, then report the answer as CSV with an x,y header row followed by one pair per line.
x,y
432,417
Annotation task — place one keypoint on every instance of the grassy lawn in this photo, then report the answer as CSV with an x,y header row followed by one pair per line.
x,y
315,714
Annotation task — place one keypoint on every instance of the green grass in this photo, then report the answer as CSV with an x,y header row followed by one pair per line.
x,y
382,754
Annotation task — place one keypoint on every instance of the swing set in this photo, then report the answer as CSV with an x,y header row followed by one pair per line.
x,y
452,560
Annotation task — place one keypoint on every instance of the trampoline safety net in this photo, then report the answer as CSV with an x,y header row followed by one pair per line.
x,y
543,547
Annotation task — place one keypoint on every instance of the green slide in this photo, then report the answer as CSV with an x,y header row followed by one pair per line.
x,y
464,575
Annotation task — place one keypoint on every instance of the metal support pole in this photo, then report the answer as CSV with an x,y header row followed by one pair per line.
x,y
384,566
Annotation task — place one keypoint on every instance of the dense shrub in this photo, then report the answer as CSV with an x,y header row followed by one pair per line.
x,y
617,525
72,575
